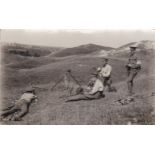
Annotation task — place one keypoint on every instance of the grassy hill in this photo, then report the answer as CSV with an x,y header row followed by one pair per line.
x,y
126,45
82,50
19,71
19,52
143,46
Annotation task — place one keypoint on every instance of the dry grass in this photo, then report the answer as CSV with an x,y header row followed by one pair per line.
x,y
51,109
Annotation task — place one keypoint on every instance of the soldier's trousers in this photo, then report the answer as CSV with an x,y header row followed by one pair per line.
x,y
21,107
131,76
85,97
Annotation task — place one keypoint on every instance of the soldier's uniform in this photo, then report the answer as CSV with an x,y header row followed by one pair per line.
x,y
95,92
133,67
105,75
20,106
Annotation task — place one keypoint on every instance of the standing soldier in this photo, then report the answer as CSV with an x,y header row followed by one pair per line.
x,y
133,67
105,74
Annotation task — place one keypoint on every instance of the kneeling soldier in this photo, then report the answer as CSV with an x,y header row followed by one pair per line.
x,y
94,91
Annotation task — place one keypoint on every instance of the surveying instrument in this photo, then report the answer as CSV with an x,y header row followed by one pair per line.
x,y
70,83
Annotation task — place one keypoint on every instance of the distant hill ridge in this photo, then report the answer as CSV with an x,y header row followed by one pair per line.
x,y
144,44
143,47
28,50
82,49
86,49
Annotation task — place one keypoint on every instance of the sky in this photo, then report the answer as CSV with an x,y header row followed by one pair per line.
x,y
71,38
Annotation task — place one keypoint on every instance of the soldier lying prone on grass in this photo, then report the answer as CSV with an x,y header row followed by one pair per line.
x,y
20,107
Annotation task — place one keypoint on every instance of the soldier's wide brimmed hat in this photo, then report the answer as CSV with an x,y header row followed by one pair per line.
x,y
133,46
105,58
31,90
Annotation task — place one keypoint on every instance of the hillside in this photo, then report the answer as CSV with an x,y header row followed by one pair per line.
x,y
82,50
142,46
19,71
126,45
51,109
19,52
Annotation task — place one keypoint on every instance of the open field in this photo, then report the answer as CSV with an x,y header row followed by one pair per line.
x,y
45,70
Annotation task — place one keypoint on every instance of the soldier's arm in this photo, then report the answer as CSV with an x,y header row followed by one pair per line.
x,y
94,89
107,71
98,69
136,65
35,98
23,112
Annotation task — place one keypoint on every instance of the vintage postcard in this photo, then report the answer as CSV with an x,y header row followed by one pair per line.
x,y
77,77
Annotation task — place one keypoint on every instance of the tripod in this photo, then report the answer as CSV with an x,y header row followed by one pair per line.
x,y
67,79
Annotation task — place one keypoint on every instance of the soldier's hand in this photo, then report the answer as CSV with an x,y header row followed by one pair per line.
x,y
36,100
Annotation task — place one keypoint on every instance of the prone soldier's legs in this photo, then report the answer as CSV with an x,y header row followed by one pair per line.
x,y
77,98
22,112
85,97
10,111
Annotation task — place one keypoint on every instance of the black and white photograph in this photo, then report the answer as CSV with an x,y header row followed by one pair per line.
x,y
77,77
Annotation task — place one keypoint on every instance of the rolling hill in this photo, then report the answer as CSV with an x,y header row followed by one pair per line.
x,y
19,71
18,52
143,47
82,50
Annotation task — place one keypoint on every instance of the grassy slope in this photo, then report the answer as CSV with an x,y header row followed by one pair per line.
x,y
82,50
53,110
81,66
